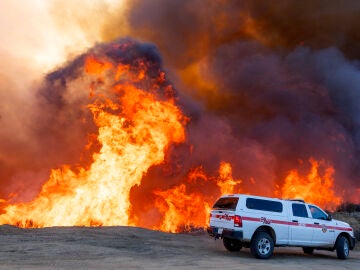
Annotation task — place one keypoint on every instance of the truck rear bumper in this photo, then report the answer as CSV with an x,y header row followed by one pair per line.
x,y
226,233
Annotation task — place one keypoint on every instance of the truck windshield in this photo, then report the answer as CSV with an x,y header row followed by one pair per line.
x,y
317,213
226,203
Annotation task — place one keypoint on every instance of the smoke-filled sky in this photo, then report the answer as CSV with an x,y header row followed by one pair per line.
x,y
267,85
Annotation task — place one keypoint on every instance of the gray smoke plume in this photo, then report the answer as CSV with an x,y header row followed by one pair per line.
x,y
285,76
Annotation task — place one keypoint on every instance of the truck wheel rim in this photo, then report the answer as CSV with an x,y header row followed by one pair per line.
x,y
264,246
346,248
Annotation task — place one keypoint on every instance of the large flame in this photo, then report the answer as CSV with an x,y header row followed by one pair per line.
x,y
134,130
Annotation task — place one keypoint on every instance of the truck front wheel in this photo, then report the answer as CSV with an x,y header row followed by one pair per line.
x,y
342,247
262,245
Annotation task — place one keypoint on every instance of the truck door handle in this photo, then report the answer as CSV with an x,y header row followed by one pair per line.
x,y
317,223
294,220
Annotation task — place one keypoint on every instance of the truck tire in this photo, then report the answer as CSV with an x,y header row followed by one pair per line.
x,y
342,247
232,244
262,245
308,250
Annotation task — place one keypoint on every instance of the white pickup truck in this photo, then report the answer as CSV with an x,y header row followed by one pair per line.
x,y
261,223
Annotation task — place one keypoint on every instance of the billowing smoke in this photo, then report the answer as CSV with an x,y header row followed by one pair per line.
x,y
278,82
266,86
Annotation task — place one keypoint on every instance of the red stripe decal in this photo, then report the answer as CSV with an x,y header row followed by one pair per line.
x,y
265,220
282,222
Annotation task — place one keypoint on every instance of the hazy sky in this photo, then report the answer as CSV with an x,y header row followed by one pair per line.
x,y
42,33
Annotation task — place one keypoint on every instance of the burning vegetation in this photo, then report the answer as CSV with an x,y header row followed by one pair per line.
x,y
114,143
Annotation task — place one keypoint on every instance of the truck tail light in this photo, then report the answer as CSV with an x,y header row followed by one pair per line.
x,y
237,221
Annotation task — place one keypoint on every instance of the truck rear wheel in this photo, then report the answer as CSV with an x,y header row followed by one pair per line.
x,y
342,247
262,245
232,244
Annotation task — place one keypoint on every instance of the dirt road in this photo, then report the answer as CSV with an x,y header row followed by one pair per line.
x,y
135,248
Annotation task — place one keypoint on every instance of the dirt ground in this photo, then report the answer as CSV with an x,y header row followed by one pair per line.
x,y
136,248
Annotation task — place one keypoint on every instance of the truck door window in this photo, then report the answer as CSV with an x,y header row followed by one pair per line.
x,y
299,210
317,213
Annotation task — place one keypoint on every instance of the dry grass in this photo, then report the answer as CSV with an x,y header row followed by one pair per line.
x,y
136,248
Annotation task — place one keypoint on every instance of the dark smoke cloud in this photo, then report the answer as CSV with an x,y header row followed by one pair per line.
x,y
286,78
317,24
186,30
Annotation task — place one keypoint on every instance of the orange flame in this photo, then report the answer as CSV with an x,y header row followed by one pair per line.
x,y
197,174
181,210
314,187
134,131
96,66
226,182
